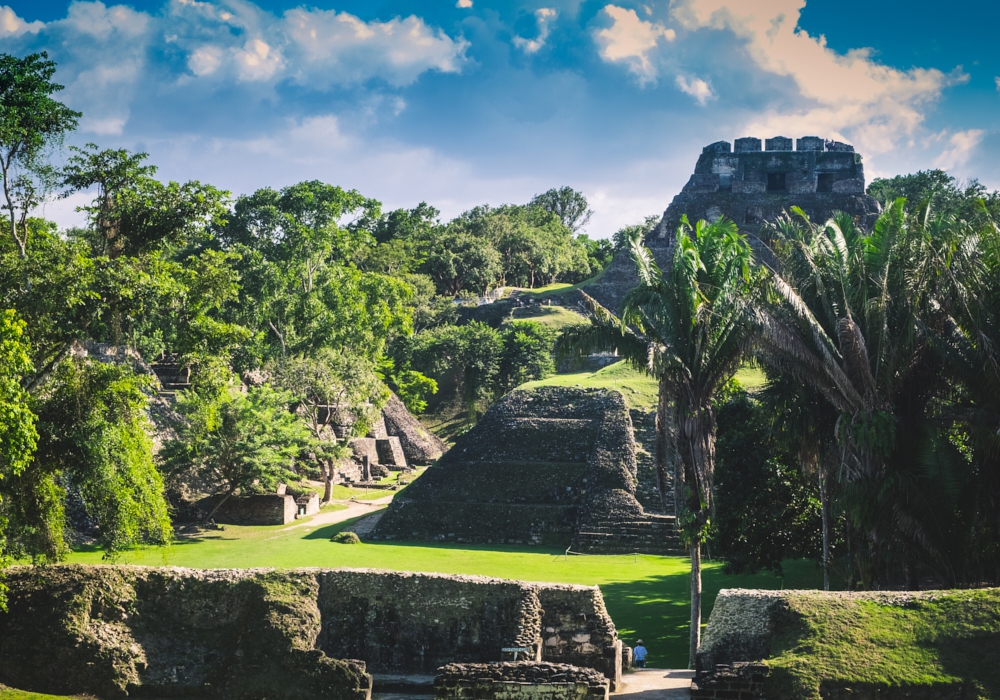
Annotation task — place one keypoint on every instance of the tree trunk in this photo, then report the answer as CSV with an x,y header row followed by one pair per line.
x,y
219,504
825,510
695,600
328,482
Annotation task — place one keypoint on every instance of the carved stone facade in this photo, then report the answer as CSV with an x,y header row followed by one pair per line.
x,y
752,184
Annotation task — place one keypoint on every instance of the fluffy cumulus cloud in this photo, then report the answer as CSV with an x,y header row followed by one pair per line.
x,y
631,40
843,95
464,4
959,147
107,55
12,25
543,17
697,88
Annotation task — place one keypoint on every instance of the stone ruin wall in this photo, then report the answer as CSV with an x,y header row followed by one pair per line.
x,y
519,681
167,632
751,185
533,467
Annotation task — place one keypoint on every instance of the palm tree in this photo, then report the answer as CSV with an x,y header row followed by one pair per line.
x,y
690,327
843,318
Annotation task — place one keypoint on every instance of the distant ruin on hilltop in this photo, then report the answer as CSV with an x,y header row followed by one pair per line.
x,y
752,185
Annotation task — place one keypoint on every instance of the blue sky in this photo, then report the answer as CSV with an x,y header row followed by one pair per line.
x,y
463,102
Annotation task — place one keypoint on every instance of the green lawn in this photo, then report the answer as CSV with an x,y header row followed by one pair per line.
x,y
638,389
555,317
11,694
647,596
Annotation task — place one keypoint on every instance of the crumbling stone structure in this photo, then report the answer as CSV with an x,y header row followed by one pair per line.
x,y
519,680
259,509
751,185
119,630
543,465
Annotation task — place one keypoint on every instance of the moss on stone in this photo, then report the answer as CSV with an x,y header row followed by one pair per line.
x,y
893,644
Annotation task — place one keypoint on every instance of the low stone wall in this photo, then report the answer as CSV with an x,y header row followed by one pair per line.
x,y
740,681
116,630
519,680
264,509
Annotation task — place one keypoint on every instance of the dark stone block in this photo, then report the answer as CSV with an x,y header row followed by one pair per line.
x,y
748,144
778,143
809,143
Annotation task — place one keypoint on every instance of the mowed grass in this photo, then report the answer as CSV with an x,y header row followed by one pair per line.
x,y
639,389
647,596
557,318
948,637
12,694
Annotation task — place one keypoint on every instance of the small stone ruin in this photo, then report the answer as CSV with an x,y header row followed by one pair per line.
x,y
550,465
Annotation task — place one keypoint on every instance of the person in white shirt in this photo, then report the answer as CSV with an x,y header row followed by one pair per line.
x,y
639,655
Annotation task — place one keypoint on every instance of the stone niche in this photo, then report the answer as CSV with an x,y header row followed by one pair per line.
x,y
113,631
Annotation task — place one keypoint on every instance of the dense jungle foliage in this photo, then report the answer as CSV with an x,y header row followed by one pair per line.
x,y
874,447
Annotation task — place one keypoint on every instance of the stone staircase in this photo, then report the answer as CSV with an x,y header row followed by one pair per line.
x,y
171,375
654,534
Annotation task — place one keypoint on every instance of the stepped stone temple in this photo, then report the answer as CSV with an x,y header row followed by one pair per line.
x,y
550,465
751,185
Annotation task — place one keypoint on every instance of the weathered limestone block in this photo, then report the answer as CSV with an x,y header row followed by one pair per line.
x,y
520,680
748,144
809,143
390,452
778,143
364,447
420,446
308,504
264,509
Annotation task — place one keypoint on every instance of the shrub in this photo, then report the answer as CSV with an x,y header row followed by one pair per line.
x,y
346,538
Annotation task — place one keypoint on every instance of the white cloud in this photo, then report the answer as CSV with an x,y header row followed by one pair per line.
x,y
12,25
847,96
108,55
463,3
700,90
960,147
997,81
630,40
205,60
543,17
325,48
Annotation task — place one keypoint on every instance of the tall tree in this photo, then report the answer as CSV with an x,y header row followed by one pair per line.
x,y
843,318
31,123
332,388
690,327
569,205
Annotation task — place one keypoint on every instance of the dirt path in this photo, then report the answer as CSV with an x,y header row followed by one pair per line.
x,y
655,684
354,510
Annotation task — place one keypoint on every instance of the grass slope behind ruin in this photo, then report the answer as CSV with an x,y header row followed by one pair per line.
x,y
930,641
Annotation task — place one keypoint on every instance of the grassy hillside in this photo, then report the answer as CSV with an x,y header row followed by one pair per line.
x,y
646,595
